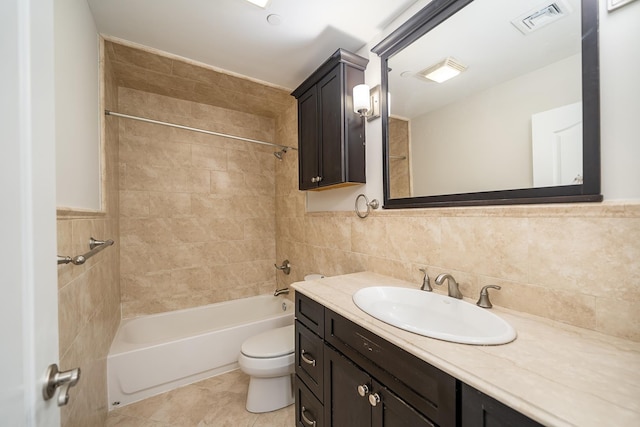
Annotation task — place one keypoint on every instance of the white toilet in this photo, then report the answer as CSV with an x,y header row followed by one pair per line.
x,y
268,359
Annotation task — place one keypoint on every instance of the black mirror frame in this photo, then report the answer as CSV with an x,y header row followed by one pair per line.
x,y
434,14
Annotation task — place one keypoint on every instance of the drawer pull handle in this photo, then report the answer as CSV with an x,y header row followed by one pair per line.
x,y
306,360
363,390
306,420
374,399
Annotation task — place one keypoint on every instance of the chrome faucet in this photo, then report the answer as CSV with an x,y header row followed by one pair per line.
x,y
281,291
484,301
426,284
454,291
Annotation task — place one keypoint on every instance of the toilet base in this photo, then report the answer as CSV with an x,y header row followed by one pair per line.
x,y
269,394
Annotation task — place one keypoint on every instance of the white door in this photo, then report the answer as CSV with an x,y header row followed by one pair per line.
x,y
557,146
29,303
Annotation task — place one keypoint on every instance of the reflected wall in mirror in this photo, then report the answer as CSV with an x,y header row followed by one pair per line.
x,y
519,122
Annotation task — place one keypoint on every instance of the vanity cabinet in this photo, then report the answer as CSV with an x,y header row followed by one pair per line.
x,y
480,410
356,399
331,144
348,376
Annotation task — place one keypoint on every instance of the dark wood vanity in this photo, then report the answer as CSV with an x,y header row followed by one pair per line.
x,y
330,134
348,376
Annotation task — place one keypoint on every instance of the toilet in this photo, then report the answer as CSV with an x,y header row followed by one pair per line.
x,y
268,359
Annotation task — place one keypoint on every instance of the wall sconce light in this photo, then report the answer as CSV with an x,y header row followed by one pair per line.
x,y
366,102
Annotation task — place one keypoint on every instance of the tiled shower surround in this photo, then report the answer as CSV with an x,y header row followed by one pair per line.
x,y
202,219
197,212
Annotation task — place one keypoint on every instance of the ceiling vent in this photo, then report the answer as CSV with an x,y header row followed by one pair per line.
x,y
542,15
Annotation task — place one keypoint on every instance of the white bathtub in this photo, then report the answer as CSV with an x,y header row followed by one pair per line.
x,y
156,353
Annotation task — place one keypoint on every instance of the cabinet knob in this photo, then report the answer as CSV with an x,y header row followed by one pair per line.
x,y
363,390
313,179
318,178
374,399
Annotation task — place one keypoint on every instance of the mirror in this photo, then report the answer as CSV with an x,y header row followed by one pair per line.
x,y
519,123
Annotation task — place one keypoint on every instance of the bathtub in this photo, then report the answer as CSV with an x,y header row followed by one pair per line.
x,y
156,353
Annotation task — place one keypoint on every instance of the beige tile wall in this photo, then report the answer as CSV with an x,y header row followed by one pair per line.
x,y
197,211
399,168
577,264
89,294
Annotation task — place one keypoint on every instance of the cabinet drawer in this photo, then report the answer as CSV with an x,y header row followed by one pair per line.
x,y
309,410
309,359
426,388
310,314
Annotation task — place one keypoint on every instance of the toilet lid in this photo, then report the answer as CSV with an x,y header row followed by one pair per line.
x,y
273,343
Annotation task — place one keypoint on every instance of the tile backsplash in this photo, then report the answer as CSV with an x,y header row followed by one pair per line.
x,y
577,264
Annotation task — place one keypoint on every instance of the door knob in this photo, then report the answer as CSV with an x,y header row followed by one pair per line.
x,y
64,380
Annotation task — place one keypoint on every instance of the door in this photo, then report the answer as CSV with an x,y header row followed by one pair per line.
x,y
28,307
557,146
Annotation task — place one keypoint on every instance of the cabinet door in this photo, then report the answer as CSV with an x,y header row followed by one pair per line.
x,y
344,407
308,161
480,410
391,411
331,104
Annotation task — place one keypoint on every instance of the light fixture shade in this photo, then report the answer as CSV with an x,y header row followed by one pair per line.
x,y
443,70
260,3
361,103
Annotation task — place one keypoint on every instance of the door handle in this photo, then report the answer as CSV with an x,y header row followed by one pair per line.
x,y
64,380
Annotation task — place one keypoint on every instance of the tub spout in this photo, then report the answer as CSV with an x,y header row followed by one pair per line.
x,y
281,291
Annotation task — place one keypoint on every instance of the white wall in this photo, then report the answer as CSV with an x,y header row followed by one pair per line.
x,y
619,39
450,158
620,101
77,116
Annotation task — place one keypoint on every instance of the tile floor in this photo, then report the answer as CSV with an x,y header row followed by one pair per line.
x,y
218,401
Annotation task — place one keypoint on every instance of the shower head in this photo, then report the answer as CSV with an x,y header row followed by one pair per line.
x,y
280,153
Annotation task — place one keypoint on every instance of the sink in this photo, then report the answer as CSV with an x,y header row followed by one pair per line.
x,y
434,315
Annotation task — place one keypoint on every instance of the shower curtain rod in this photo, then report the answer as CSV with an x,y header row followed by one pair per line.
x,y
208,132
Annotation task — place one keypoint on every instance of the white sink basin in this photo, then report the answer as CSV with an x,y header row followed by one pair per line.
x,y
434,315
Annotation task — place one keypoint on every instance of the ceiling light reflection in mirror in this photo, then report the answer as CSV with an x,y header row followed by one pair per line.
x,y
475,132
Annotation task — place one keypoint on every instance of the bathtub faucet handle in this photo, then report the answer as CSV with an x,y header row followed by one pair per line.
x,y
285,267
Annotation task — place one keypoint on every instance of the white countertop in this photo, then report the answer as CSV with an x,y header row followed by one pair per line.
x,y
556,374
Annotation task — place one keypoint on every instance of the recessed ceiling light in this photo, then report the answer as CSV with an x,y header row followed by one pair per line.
x,y
274,19
260,3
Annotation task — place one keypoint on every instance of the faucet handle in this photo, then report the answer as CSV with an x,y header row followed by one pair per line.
x,y
484,301
426,283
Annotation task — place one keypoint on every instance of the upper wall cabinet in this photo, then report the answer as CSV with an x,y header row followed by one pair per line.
x,y
330,134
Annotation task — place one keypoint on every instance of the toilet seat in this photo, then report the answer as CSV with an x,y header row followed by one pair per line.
x,y
270,344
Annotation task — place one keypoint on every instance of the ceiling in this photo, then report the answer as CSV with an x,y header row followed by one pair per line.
x,y
234,35
490,46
